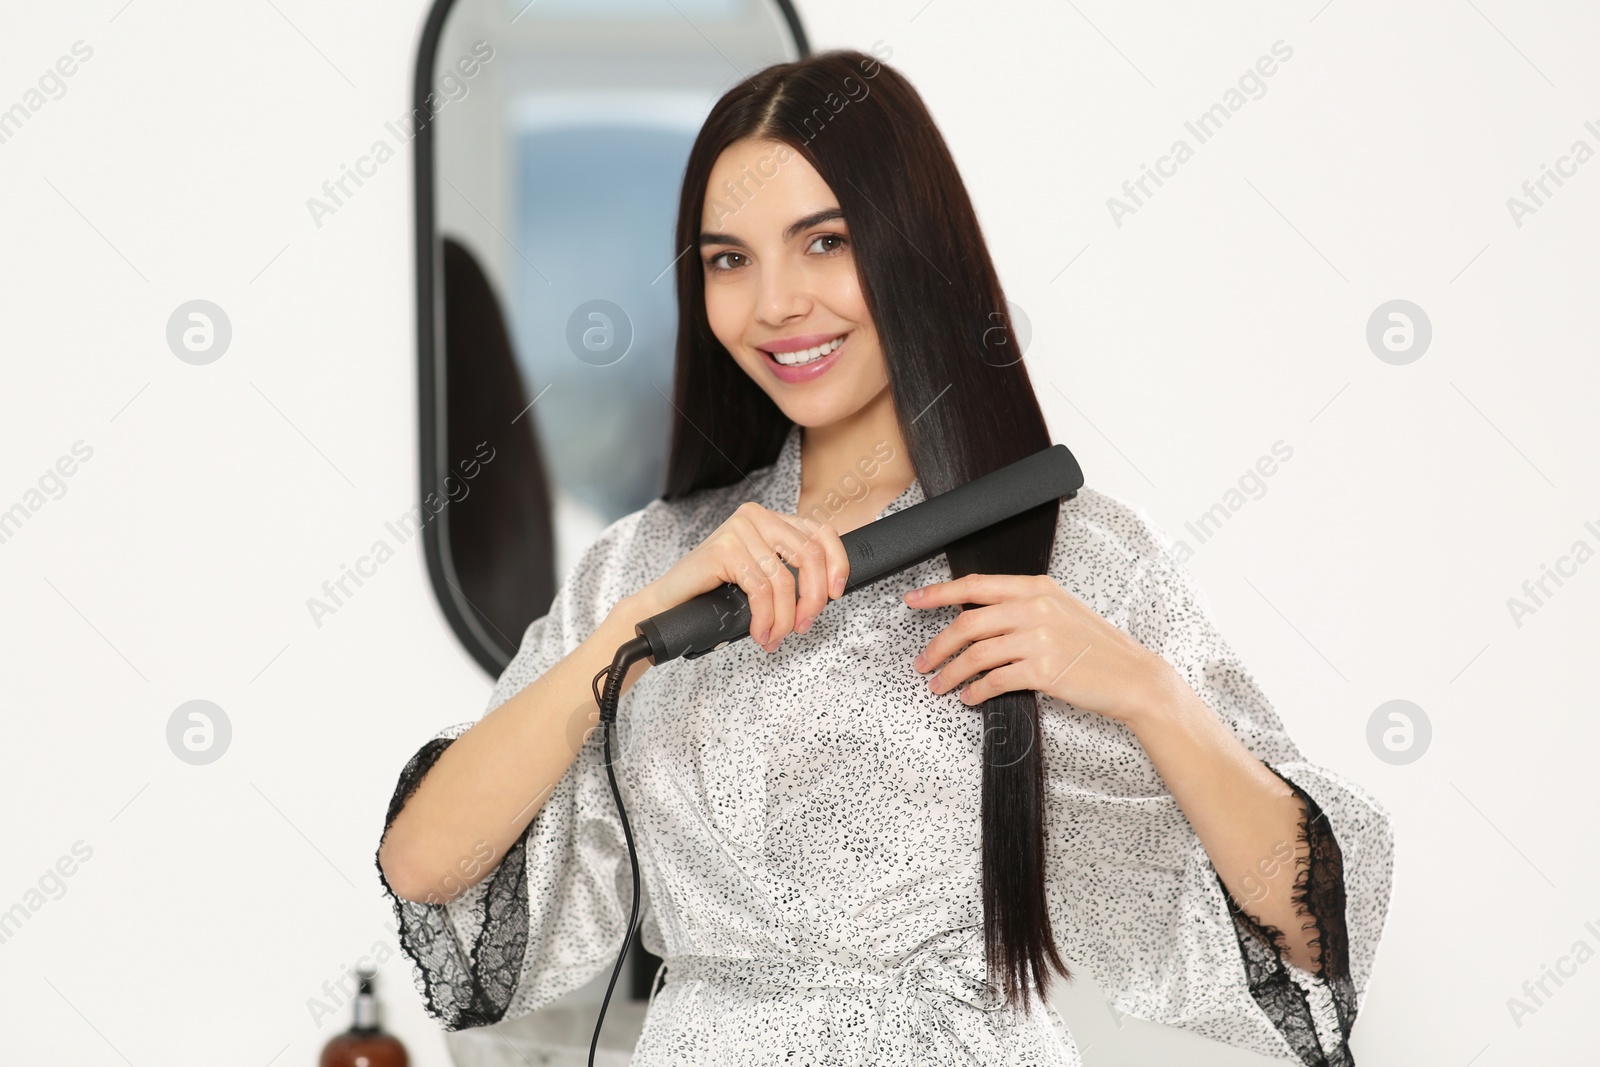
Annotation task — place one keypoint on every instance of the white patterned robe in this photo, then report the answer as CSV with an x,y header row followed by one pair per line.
x,y
809,835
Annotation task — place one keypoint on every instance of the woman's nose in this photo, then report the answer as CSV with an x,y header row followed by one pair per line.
x,y
783,293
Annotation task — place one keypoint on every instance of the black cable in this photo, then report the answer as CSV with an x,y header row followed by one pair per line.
x,y
627,655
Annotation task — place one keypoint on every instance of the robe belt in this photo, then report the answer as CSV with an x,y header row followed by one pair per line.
x,y
913,999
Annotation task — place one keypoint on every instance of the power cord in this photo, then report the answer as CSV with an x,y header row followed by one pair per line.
x,y
627,655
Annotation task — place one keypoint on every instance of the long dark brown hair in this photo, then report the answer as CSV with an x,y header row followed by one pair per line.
x,y
962,397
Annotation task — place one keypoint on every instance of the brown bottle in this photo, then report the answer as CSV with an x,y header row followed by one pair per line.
x,y
364,1044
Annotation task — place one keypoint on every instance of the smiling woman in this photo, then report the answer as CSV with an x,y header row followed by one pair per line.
x,y
846,861
783,294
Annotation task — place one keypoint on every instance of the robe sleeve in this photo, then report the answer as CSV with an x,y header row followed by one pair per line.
x,y
1139,899
553,911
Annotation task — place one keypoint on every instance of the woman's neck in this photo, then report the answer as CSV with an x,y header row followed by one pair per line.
x,y
836,461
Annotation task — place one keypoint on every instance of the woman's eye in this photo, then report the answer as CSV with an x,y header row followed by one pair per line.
x,y
721,262
714,262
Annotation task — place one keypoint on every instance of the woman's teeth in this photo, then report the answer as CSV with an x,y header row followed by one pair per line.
x,y
806,355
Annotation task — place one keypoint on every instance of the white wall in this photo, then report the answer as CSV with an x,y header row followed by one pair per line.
x,y
1172,351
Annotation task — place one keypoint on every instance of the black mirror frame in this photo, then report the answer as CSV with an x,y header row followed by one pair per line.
x,y
430,371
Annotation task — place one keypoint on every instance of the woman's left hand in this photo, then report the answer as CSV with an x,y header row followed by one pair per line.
x,y
1029,633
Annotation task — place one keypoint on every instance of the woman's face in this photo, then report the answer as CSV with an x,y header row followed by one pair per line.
x,y
780,277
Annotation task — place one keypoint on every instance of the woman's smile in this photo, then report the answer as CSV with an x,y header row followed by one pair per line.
x,y
792,363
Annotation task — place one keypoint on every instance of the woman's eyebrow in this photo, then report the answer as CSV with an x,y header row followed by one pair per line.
x,y
827,214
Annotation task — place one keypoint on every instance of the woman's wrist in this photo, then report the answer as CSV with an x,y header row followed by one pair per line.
x,y
636,607
1159,696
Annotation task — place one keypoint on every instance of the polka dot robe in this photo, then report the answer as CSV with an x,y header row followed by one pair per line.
x,y
809,837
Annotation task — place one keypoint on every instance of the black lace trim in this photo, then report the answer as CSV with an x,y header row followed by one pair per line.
x,y
1318,894
464,987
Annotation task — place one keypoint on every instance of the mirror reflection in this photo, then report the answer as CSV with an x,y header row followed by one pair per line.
x,y
558,146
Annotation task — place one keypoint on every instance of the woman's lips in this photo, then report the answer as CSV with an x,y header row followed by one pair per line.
x,y
806,372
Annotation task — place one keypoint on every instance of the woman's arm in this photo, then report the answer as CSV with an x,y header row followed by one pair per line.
x,y
488,785
1247,818
1029,633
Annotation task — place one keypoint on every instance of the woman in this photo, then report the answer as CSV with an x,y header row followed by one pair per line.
x,y
873,832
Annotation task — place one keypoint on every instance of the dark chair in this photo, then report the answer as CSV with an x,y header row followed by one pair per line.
x,y
501,539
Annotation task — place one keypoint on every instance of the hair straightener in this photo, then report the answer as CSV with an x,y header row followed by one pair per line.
x,y
875,551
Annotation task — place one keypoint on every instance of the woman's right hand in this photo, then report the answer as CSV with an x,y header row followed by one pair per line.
x,y
750,550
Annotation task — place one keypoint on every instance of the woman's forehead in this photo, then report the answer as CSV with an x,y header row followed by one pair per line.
x,y
765,186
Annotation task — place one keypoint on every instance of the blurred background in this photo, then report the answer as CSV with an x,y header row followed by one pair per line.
x,y
1337,344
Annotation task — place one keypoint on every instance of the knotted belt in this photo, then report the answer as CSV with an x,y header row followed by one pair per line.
x,y
913,999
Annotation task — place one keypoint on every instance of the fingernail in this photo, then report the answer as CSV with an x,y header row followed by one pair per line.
x,y
804,624
838,587
920,663
914,593
761,638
